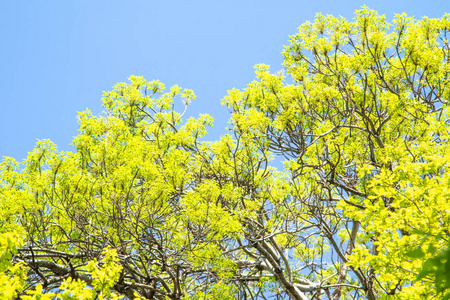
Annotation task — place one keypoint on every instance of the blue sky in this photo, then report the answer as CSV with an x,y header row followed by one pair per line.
x,y
57,57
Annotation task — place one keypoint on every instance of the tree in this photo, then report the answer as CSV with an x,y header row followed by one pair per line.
x,y
145,209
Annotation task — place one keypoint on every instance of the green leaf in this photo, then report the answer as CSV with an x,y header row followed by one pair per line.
x,y
416,253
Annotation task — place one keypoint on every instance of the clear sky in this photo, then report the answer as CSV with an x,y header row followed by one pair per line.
x,y
58,56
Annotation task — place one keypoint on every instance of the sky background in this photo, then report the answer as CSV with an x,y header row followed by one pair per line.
x,y
57,57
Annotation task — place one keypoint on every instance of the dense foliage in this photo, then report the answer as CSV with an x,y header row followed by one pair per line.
x,y
146,209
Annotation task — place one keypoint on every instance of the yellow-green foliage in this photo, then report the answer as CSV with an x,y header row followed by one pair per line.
x,y
365,122
12,276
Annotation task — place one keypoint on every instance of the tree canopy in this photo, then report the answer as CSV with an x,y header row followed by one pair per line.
x,y
147,208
